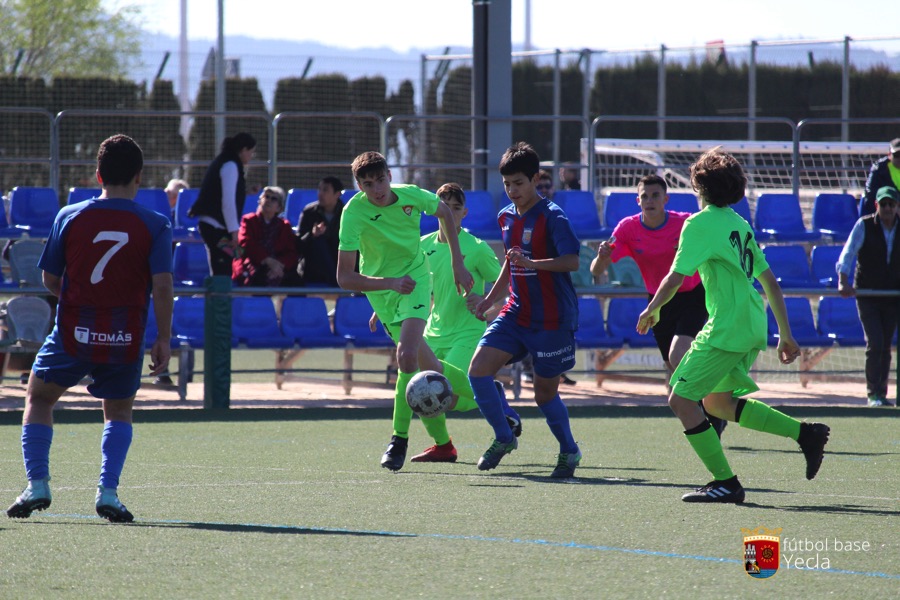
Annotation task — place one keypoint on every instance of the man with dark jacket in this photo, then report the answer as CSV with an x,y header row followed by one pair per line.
x,y
317,233
872,243
884,171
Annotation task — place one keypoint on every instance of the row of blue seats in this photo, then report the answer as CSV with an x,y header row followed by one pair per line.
x,y
837,322
32,209
793,269
304,323
778,216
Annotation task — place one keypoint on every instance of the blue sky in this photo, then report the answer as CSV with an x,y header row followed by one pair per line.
x,y
601,24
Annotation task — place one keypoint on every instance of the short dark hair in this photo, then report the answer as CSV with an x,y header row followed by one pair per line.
x,y
718,177
335,183
451,190
654,179
238,142
520,158
119,160
545,174
368,163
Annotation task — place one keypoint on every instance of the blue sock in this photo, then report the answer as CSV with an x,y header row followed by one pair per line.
x,y
491,407
558,419
508,410
36,440
113,450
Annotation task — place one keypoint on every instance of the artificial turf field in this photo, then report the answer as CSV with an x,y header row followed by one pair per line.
x,y
294,504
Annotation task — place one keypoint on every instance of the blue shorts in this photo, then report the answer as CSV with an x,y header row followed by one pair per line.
x,y
553,351
111,381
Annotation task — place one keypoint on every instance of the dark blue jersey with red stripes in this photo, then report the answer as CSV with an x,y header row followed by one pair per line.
x,y
540,299
106,252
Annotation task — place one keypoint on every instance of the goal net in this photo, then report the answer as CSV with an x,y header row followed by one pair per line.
x,y
770,167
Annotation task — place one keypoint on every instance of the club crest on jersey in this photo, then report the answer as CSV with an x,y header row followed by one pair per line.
x,y
526,236
408,210
761,551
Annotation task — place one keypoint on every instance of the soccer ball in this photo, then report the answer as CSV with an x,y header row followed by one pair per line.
x,y
429,394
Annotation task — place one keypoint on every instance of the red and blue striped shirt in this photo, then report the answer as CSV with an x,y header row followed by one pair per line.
x,y
540,299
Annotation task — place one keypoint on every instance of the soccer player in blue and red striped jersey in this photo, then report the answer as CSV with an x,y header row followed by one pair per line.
x,y
541,314
102,260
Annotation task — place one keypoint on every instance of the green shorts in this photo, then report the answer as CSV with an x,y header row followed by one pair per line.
x,y
393,308
706,370
459,354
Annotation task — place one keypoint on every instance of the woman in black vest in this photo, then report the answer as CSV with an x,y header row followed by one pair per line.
x,y
873,243
221,200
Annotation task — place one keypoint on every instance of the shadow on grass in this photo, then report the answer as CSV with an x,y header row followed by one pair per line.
x,y
241,528
839,509
794,451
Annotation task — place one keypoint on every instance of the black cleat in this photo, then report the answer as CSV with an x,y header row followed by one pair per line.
x,y
110,507
395,455
812,440
35,497
725,491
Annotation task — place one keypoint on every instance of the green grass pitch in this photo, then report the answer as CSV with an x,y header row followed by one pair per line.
x,y
294,504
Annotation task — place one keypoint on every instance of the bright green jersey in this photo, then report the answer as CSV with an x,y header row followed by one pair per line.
x,y
386,237
719,244
450,321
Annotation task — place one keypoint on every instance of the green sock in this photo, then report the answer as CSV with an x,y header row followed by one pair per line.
x,y
402,412
459,381
708,447
762,417
437,429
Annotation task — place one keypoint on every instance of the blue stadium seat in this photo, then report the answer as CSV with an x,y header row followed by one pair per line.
x,y
592,331
297,199
7,232
822,265
790,266
803,327
155,199
481,221
254,323
351,322
622,319
834,215
743,208
187,321
348,193
190,264
250,203
683,202
32,209
581,209
304,319
185,227
430,224
79,194
617,206
780,216
839,320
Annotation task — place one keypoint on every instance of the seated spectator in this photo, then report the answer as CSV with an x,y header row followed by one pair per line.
x,y
172,188
267,249
317,232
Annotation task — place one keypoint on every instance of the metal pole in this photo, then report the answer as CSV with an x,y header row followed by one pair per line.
x,y
220,77
751,91
845,92
661,94
557,103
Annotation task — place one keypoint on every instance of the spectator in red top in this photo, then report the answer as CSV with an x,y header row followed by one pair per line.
x,y
267,249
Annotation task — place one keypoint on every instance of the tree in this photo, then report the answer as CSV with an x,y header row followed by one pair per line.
x,y
46,38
